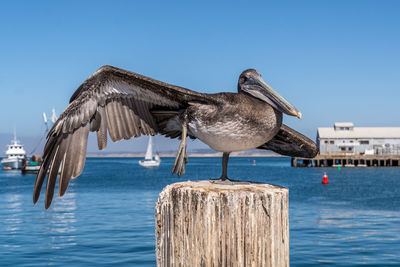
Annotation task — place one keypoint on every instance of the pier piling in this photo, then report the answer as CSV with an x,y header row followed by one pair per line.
x,y
206,224
349,160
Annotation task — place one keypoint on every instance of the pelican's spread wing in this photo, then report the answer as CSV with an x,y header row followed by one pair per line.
x,y
122,103
288,142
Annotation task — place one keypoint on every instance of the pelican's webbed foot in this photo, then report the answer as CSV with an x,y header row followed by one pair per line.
x,y
181,157
227,181
221,180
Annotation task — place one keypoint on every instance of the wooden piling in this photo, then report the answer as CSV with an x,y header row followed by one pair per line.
x,y
205,224
328,160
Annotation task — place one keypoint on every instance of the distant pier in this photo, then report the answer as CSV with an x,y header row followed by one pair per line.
x,y
343,160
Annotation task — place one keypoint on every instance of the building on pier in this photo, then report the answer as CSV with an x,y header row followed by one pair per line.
x,y
349,146
344,138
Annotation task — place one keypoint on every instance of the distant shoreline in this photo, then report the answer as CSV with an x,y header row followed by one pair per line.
x,y
251,153
190,154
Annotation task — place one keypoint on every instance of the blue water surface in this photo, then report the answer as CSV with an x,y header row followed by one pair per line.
x,y
106,217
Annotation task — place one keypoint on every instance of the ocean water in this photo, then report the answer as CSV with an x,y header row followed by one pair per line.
x,y
107,216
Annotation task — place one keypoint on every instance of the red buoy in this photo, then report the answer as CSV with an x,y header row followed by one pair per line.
x,y
325,179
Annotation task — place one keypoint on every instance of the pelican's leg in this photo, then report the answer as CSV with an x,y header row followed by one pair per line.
x,y
181,157
225,158
224,177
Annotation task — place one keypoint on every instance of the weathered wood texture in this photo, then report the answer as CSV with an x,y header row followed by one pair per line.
x,y
204,224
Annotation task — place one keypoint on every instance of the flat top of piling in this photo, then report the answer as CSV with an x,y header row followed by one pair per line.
x,y
207,186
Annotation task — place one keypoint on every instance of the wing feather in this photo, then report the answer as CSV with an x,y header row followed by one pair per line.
x,y
95,122
67,167
51,180
43,169
289,142
111,120
102,131
117,119
63,152
81,143
131,118
135,123
126,116
111,100
121,124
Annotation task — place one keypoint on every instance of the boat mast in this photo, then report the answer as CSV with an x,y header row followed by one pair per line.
x,y
53,116
15,136
45,121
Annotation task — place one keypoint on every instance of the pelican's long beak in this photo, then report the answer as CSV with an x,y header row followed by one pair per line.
x,y
269,95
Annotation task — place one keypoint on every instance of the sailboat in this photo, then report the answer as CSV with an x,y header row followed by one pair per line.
x,y
148,160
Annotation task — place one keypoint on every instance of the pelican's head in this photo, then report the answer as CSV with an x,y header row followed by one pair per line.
x,y
251,83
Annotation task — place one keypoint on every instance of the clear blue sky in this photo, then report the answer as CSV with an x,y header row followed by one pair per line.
x,y
335,60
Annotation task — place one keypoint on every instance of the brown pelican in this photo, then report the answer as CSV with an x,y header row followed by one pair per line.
x,y
126,104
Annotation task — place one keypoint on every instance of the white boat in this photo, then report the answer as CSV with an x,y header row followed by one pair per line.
x,y
15,154
148,160
32,165
30,169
